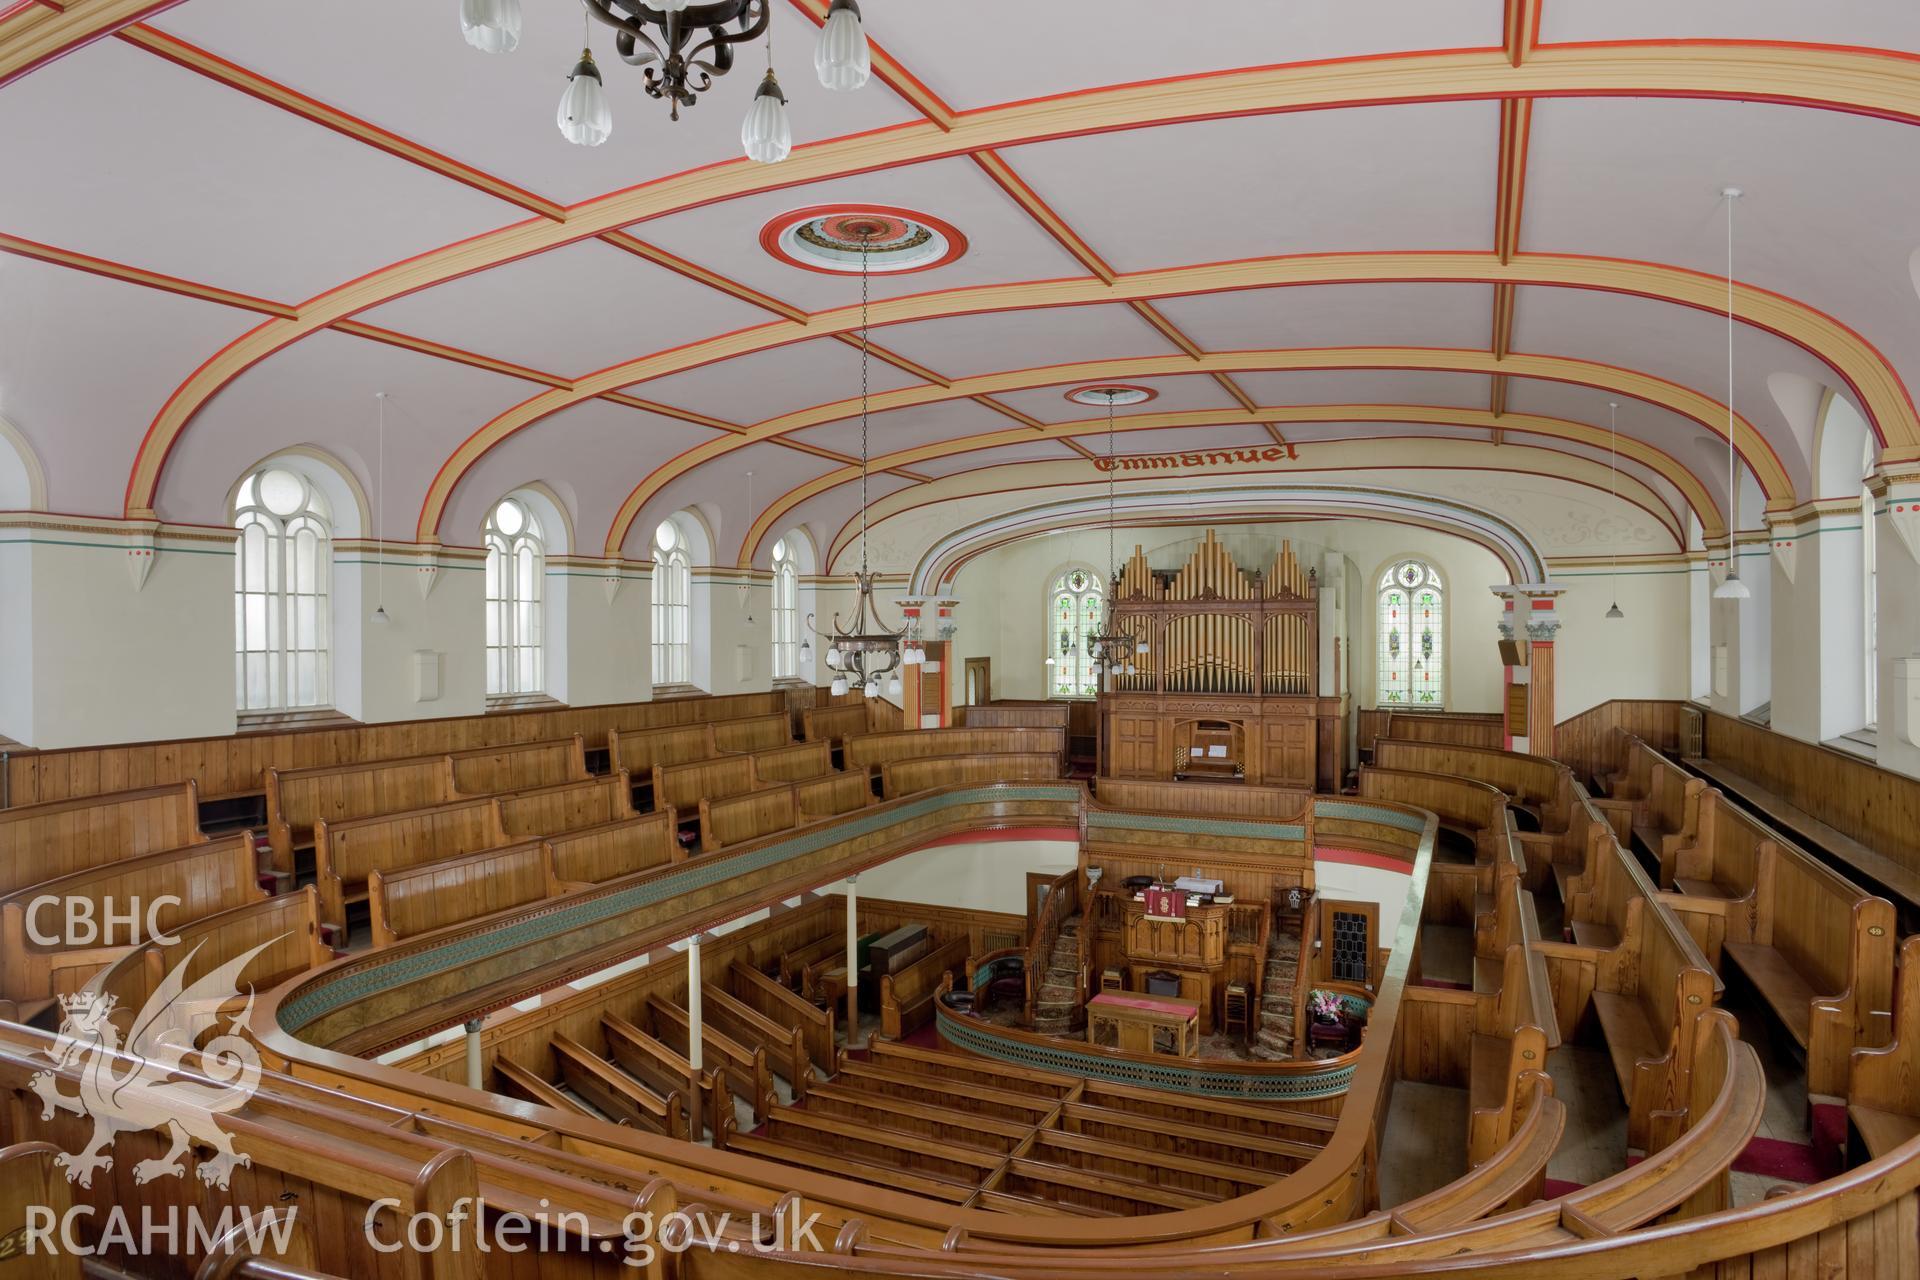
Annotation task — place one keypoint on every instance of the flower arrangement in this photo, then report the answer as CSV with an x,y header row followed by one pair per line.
x,y
1325,1006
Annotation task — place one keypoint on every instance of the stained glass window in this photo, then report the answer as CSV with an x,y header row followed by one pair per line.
x,y
1412,669
1073,616
282,579
516,612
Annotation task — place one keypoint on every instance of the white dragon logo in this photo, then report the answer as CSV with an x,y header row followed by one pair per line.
x,y
147,1095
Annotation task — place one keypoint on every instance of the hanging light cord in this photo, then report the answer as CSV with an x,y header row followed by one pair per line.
x,y
1613,482
1733,491
1113,566
865,248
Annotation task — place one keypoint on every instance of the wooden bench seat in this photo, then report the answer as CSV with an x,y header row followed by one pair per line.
x,y
639,750
1630,1033
299,800
1182,1171
880,1146
346,853
835,724
1883,1082
684,786
1869,864
1277,1156
785,1009
907,997
796,762
934,1187
408,901
956,1095
916,1117
519,766
1532,783
747,1067
831,795
1786,992
44,841
784,1046
867,752
736,819
1098,1190
1882,1131
617,1095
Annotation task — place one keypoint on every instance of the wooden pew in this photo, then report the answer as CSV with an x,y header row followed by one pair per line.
x,y
1662,799
44,841
904,777
1453,728
346,853
906,998
1541,786
785,1009
794,763
746,1066
1883,1084
1643,975
415,900
285,927
299,800
871,750
571,806
520,766
834,724
784,1046
795,961
119,901
753,733
650,1060
595,855
834,794
639,750
1475,809
617,1095
684,786
746,817
272,1244
31,1184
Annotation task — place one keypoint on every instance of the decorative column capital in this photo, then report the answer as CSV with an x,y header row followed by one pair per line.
x,y
1530,607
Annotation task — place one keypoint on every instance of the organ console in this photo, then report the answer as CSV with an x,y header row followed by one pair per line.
x,y
1225,681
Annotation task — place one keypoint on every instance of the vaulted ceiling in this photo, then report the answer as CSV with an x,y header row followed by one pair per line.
x,y
1423,243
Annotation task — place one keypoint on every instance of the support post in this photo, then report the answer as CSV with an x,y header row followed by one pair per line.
x,y
474,1080
696,1123
853,971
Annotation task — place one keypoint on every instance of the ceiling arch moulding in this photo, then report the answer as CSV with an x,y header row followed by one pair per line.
x,y
1864,81
1773,478
32,35
1515,549
1443,455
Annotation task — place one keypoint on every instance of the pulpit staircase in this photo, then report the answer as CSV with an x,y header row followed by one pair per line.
x,y
1059,996
1273,1039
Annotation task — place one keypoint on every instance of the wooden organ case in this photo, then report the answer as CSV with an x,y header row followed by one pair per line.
x,y
1228,687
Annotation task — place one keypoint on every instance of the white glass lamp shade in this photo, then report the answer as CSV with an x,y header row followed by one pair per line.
x,y
491,26
1731,588
765,135
833,659
873,688
584,117
893,687
668,6
806,651
839,686
1050,660
1141,647
840,58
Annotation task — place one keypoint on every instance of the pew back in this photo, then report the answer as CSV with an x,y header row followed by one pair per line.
x,y
346,853
1543,785
570,806
746,817
594,855
638,750
794,763
871,750
836,793
834,724
520,766
906,998
415,900
684,786
42,841
904,777
299,800
753,733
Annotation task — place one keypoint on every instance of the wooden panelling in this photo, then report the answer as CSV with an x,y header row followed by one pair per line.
x,y
746,817
571,806
594,855
111,906
835,724
684,786
346,853
1587,742
237,765
874,749
520,766
1013,715
47,840
836,793
299,801
794,763
753,733
638,750
903,777
420,899
1223,799
1458,728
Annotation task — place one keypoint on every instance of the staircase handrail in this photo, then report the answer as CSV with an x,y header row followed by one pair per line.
x,y
1062,891
1303,971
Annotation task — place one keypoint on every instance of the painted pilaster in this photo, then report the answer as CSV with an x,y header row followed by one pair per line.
x,y
605,604
1531,617
1742,639
1818,621
732,630
1897,617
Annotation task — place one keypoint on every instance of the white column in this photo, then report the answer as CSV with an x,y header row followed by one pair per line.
x,y
474,1079
1897,614
695,1034
853,972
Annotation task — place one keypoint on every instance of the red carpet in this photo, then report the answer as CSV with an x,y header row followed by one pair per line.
x,y
1774,1158
1555,1188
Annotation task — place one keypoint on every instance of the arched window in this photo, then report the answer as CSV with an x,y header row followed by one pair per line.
x,y
672,617
1869,598
282,578
516,608
1073,616
786,611
1412,670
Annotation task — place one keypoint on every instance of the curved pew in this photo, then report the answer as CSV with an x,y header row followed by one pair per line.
x,y
412,900
904,777
1662,800
285,928
1542,786
871,750
1883,1084
88,919
42,841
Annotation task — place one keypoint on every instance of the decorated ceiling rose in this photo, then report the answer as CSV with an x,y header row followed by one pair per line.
x,y
834,238
1110,393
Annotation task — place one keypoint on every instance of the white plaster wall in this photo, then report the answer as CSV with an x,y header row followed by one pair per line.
x,y
1899,604
16,636
1643,655
988,875
449,623
1344,880
609,658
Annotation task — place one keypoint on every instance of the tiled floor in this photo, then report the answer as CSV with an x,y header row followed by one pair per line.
x,y
1425,1144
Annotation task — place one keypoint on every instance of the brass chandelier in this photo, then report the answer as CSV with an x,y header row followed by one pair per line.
x,y
1112,649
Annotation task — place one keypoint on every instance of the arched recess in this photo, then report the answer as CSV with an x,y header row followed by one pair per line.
x,y
23,483
351,595
556,531
1515,550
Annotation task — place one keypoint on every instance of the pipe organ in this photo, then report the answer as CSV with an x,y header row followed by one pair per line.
x,y
1225,680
